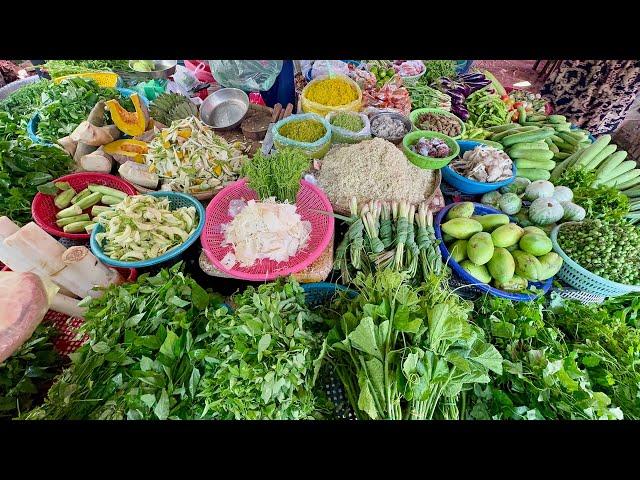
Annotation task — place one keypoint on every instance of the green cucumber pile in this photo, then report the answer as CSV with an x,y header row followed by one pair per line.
x,y
609,250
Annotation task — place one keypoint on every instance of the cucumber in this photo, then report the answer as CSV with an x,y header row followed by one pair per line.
x,y
552,146
578,135
542,164
562,166
555,138
534,174
610,164
530,123
561,127
621,169
533,155
629,184
496,137
502,128
601,157
528,146
623,179
522,115
537,117
566,147
567,137
592,150
533,136
556,119
560,156
495,145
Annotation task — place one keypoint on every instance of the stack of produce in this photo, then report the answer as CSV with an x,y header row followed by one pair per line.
x,y
393,235
490,248
389,175
169,107
547,204
424,96
24,101
566,140
382,70
486,108
388,127
304,131
533,103
331,92
270,228
459,89
431,147
484,164
439,122
392,95
610,250
142,227
435,69
189,157
409,68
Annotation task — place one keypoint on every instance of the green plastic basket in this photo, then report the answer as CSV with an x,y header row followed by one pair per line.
x,y
428,162
414,115
582,279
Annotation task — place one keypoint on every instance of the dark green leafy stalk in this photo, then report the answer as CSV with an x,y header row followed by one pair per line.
x,y
25,376
265,359
145,355
277,175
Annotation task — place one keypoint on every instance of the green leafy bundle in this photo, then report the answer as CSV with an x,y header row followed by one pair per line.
x,y
406,352
435,69
145,354
22,103
68,103
25,168
60,68
277,175
543,376
264,359
26,374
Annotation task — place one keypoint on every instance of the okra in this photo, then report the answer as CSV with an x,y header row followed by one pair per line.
x,y
76,218
63,200
90,200
77,227
71,211
112,192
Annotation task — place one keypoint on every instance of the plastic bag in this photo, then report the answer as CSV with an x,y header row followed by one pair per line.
x,y
316,149
248,75
309,106
24,301
342,135
325,67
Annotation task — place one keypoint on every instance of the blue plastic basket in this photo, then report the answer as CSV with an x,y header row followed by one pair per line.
x,y
466,185
32,126
176,200
466,277
322,292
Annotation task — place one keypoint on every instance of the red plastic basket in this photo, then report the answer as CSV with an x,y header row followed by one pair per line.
x,y
67,339
309,202
44,210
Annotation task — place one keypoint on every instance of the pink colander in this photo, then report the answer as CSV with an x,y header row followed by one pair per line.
x,y
309,202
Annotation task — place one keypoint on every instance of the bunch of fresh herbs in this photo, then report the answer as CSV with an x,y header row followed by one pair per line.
x,y
22,103
60,68
603,202
435,69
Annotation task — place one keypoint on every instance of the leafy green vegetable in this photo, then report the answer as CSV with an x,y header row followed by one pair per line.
x,y
603,202
542,375
23,102
265,358
435,69
145,354
408,353
25,375
60,68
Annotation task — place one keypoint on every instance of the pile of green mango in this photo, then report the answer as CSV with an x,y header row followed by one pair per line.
x,y
494,250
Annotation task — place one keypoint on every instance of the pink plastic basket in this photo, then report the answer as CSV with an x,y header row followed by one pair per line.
x,y
309,202
43,209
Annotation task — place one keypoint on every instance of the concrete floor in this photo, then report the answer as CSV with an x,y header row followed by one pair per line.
x,y
509,72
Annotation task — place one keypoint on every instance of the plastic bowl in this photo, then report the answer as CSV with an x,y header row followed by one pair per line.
x,y
466,185
467,278
43,208
582,279
32,126
177,200
428,162
415,115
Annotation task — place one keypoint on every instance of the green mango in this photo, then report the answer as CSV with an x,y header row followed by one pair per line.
x,y
480,248
507,235
461,210
516,284
527,265
479,272
458,250
461,228
492,221
502,266
551,263
536,244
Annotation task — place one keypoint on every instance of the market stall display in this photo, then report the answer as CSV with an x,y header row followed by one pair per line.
x,y
472,275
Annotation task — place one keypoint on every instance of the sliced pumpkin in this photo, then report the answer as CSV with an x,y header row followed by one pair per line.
x,y
131,123
127,149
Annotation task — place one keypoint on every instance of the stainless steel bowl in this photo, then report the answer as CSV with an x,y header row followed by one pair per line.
x,y
161,69
408,126
225,109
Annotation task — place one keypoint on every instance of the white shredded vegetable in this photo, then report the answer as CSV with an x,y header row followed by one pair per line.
x,y
142,227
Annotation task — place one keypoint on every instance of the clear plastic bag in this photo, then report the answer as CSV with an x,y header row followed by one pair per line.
x,y
248,75
325,67
316,149
342,135
309,106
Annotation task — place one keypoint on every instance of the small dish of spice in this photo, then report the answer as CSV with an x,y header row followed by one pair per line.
x,y
390,125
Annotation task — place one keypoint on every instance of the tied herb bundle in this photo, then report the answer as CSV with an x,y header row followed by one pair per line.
x,y
145,354
406,352
265,358
277,175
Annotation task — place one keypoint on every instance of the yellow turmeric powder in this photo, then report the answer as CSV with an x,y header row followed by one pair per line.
x,y
332,92
307,131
